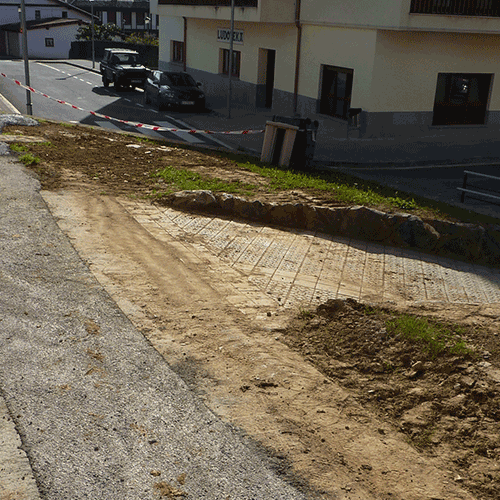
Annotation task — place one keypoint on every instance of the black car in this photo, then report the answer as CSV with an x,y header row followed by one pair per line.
x,y
122,67
173,89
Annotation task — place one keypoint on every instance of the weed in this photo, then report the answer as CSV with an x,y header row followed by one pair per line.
x,y
435,339
305,314
180,180
29,159
18,148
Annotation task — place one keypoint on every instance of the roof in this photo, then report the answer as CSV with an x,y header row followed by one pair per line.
x,y
48,22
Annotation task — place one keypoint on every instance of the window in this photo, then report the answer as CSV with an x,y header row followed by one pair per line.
x,y
38,14
127,18
49,42
336,89
235,67
461,98
177,51
112,16
140,17
64,14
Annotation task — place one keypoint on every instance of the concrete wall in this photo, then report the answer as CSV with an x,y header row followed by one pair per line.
x,y
348,48
203,54
362,13
170,28
62,42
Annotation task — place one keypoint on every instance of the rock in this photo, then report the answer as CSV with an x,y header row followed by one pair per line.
x,y
416,233
193,200
469,242
419,416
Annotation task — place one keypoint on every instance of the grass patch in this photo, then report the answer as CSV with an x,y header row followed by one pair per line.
x,y
435,339
180,180
340,187
18,148
29,159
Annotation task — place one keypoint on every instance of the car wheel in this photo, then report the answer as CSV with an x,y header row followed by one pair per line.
x,y
105,82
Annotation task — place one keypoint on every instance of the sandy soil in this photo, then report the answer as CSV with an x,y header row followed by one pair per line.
x,y
347,408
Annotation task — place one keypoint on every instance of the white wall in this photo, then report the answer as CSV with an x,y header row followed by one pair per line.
x,y
171,28
362,13
347,48
203,49
407,65
63,36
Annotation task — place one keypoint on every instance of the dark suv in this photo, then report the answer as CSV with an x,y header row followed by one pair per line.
x,y
123,68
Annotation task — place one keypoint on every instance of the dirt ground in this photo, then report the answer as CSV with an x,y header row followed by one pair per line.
x,y
346,408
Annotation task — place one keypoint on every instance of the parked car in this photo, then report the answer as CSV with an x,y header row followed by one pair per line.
x,y
123,68
173,89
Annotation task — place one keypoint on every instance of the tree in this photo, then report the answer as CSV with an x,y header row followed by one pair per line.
x,y
101,32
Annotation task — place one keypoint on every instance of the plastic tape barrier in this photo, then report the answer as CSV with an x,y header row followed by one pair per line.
x,y
135,124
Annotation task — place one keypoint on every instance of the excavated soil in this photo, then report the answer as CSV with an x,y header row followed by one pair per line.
x,y
346,405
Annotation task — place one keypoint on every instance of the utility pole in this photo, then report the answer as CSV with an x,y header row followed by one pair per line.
x,y
230,82
22,11
93,50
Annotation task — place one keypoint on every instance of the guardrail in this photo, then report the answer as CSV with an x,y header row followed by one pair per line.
x,y
485,192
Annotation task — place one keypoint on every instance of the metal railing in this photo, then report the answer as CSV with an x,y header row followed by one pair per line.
x,y
479,191
484,8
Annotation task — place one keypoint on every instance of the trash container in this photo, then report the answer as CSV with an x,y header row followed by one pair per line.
x,y
305,140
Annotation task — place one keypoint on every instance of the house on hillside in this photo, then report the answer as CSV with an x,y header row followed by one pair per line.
x,y
407,68
131,16
51,27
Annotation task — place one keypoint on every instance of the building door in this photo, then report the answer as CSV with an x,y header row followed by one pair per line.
x,y
265,78
336,89
271,61
461,98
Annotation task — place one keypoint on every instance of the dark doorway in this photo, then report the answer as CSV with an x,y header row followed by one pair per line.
x,y
270,66
461,98
336,89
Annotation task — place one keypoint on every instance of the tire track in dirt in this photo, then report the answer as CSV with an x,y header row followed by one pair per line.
x,y
236,363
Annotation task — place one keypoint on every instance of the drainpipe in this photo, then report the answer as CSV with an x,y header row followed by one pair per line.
x,y
297,56
185,43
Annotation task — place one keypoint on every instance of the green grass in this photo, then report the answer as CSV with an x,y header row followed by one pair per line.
x,y
434,338
181,180
29,159
343,189
18,148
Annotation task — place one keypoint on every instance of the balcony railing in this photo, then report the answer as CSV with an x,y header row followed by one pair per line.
x,y
210,3
484,8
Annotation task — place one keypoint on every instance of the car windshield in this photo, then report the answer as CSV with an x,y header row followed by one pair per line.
x,y
177,80
125,59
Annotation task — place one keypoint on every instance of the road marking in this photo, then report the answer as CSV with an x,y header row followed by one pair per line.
x,y
185,136
212,138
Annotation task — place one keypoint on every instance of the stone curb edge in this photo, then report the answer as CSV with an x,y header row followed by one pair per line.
x,y
469,242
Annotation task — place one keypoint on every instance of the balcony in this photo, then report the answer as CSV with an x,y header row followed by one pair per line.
x,y
210,3
470,8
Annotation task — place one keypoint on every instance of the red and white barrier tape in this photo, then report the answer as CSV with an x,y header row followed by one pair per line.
x,y
135,124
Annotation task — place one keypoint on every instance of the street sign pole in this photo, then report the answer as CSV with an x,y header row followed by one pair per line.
x,y
230,82
22,11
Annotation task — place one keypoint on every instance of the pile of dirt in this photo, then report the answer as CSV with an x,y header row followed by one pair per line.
x,y
446,403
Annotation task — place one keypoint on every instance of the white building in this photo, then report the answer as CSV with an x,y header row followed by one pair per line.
x,y
51,27
413,67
